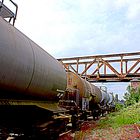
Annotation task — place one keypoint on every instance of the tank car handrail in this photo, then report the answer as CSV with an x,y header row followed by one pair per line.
x,y
15,16
1,4
11,13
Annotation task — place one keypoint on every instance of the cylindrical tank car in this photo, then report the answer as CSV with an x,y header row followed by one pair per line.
x,y
26,70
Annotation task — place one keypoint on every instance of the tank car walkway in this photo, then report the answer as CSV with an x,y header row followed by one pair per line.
x,y
6,13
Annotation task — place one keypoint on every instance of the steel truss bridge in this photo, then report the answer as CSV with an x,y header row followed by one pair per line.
x,y
105,68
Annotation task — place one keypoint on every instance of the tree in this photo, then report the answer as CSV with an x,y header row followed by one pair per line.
x,y
132,96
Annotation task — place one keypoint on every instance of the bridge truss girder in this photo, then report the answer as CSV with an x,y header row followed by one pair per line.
x,y
105,68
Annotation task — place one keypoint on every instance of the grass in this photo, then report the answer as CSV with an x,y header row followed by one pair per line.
x,y
129,115
116,125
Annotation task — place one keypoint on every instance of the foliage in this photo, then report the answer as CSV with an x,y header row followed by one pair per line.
x,y
132,96
129,115
118,106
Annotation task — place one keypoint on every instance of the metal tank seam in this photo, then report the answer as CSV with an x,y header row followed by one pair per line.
x,y
12,31
33,66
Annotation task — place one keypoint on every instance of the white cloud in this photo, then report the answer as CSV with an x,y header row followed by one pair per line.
x,y
134,11
132,8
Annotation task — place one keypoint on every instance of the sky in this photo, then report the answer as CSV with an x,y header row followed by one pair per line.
x,y
69,28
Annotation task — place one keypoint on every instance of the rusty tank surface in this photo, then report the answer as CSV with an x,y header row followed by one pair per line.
x,y
25,68
85,88
87,91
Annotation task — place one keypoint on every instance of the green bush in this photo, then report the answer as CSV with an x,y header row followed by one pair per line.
x,y
129,115
118,106
132,96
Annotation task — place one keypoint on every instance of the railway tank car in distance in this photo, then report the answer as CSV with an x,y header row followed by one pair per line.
x,y
83,95
26,70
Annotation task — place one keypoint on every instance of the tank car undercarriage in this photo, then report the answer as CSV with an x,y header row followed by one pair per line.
x,y
25,122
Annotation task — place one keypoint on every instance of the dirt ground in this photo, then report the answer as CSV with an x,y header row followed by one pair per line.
x,y
90,131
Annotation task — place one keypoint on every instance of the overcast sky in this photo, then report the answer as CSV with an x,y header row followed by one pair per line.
x,y
67,28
